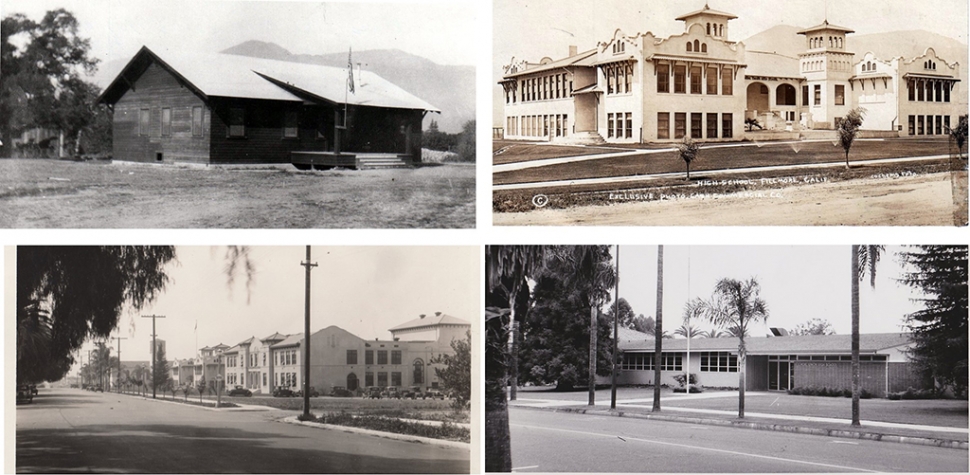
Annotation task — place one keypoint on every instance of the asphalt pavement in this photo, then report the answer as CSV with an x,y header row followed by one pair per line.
x,y
545,441
70,431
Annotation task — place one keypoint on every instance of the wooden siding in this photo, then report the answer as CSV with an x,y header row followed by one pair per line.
x,y
384,130
154,90
264,141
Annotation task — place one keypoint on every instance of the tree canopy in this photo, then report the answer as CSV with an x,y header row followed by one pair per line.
x,y
456,374
67,294
815,326
940,328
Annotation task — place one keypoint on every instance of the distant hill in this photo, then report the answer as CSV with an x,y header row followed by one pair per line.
x,y
449,88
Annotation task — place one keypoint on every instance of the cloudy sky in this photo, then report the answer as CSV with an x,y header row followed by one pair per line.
x,y
365,290
797,282
118,28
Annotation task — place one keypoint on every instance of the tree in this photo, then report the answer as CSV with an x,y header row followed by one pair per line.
x,y
41,84
958,135
456,376
162,376
466,142
688,152
713,333
82,292
644,325
737,304
504,268
815,326
848,129
940,328
863,258
626,317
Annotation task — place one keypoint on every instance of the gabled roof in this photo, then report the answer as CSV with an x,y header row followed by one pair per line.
x,y
293,340
706,11
274,337
579,59
225,75
783,345
825,25
247,341
432,321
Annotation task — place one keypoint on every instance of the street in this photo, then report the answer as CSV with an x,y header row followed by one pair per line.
x,y
544,441
69,430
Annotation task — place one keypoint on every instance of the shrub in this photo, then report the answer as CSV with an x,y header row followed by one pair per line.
x,y
828,392
693,389
680,378
913,393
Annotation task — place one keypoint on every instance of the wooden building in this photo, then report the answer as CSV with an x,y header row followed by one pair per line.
x,y
226,109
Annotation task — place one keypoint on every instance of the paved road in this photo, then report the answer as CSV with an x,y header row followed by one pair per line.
x,y
544,441
69,431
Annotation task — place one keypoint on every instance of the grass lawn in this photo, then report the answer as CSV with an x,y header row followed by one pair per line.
x,y
424,409
443,431
717,157
44,193
513,151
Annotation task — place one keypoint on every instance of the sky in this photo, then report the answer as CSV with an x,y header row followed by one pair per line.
x,y
526,30
798,283
364,290
118,28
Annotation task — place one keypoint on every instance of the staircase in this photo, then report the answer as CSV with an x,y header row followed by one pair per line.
x,y
582,138
376,161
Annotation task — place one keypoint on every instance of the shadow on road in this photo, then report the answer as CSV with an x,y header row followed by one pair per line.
x,y
45,400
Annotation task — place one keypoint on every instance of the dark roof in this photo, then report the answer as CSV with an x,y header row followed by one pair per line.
x,y
825,25
293,340
226,75
706,11
274,337
430,321
779,345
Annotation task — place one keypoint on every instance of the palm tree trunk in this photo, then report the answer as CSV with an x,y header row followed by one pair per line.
x,y
742,380
855,336
659,330
592,355
497,444
514,359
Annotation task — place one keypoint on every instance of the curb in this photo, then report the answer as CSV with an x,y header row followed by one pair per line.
x,y
845,434
388,435
241,408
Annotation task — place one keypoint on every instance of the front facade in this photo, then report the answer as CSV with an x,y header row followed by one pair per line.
x,y
225,109
776,363
699,84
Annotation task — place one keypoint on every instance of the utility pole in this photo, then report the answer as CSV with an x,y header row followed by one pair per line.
x,y
306,336
154,347
616,318
119,360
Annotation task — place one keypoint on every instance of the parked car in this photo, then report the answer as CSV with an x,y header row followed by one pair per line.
x,y
413,392
283,392
33,389
240,391
435,394
373,392
24,396
392,392
313,392
340,391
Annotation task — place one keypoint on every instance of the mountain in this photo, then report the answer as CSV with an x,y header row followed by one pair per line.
x,y
449,88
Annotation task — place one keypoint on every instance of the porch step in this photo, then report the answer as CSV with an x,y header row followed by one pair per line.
x,y
382,161
582,138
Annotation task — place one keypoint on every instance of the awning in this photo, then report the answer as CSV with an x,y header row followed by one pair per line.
x,y
929,76
591,89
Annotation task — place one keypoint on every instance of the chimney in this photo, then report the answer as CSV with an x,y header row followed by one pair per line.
x,y
573,50
437,314
422,315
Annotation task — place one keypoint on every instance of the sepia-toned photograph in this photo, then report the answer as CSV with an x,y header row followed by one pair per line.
x,y
726,359
235,359
237,114
721,112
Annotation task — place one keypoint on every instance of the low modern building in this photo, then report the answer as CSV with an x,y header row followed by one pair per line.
x,y
227,109
774,363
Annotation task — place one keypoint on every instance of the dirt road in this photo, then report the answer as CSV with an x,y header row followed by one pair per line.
x,y
886,201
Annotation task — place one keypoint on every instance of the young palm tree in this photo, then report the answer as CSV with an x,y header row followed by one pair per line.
x,y
863,257
737,304
848,129
658,331
712,333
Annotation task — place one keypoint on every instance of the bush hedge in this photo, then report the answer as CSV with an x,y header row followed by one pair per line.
x,y
913,393
828,392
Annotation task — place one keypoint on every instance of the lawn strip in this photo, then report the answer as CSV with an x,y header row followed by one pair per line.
x,y
443,431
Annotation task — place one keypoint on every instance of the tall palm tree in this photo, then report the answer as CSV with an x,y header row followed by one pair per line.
x,y
658,330
33,340
737,304
863,258
506,269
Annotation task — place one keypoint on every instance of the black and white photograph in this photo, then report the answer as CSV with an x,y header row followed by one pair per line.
x,y
722,112
237,359
726,359
237,114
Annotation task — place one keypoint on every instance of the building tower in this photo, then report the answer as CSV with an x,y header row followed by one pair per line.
x,y
715,22
827,67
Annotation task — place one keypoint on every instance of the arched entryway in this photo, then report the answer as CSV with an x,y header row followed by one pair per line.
x,y
418,372
352,382
758,97
785,95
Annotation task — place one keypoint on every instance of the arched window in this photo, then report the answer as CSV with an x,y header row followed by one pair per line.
x,y
708,29
697,45
352,382
690,48
418,372
721,32
703,47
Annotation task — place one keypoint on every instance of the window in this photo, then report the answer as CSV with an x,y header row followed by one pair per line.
x,y
703,47
839,95
695,80
418,372
396,378
939,125
671,362
946,123
718,362
628,71
237,122
929,125
818,94
144,121
264,360
663,125
727,125
609,125
396,357
382,357
629,125
166,122
912,125
946,93
695,125
264,379
939,92
711,125
621,81
690,47
804,95
680,125
351,356
919,125
368,379
382,379
663,78
290,124
727,84
679,77
712,81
